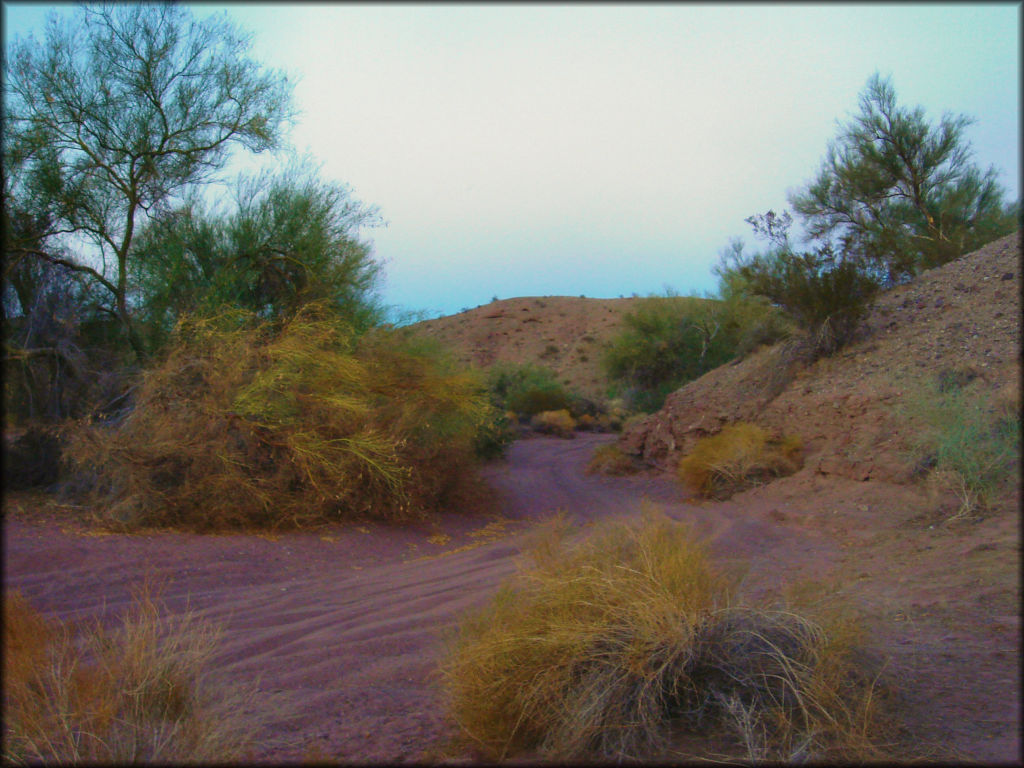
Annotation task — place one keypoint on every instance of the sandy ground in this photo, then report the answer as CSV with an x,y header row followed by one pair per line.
x,y
342,627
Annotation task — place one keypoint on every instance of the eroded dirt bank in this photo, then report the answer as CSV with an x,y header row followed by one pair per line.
x,y
343,626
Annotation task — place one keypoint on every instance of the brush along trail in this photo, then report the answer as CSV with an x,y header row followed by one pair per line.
x,y
343,626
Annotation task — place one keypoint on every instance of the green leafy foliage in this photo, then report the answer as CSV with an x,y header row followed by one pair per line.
x,y
670,340
901,194
894,195
292,238
968,440
826,296
526,389
116,114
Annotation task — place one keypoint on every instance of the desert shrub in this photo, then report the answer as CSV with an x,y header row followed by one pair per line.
x,y
610,460
604,648
559,423
533,401
32,459
670,340
664,343
969,442
739,456
60,360
526,389
494,434
248,424
825,295
587,423
139,692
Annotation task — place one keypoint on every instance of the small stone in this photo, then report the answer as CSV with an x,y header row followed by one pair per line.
x,y
1007,276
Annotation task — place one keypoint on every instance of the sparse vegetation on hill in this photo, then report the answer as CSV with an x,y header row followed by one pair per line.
x,y
961,317
968,441
565,334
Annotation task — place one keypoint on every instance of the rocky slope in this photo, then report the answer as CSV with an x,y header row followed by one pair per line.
x,y
565,333
961,320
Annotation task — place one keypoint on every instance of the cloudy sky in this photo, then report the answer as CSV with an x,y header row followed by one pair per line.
x,y
526,150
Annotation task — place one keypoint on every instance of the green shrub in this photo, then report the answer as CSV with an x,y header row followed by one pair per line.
x,y
827,297
968,441
247,424
670,340
740,456
605,648
526,389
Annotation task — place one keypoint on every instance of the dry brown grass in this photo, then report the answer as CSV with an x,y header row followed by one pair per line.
x,y
738,457
559,423
137,693
611,647
246,425
610,460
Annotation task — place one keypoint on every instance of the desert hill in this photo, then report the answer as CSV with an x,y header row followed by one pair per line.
x,y
959,321
565,333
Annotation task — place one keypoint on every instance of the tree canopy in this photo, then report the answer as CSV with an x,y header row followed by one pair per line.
x,y
900,193
291,238
116,115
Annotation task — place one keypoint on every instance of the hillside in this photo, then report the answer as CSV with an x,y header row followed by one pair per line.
x,y
960,320
565,333
941,592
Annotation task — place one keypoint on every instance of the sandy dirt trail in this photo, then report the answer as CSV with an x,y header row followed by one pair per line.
x,y
343,627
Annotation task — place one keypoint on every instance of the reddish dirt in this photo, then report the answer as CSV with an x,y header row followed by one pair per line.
x,y
343,626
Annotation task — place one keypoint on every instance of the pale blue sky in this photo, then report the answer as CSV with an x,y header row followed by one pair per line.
x,y
522,150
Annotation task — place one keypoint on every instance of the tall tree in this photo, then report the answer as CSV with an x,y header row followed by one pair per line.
x,y
115,116
900,193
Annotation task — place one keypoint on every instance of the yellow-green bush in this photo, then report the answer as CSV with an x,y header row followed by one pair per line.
x,y
135,693
559,423
738,457
607,648
245,424
610,460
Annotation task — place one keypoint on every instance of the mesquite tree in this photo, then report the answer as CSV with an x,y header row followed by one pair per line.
x,y
116,116
900,193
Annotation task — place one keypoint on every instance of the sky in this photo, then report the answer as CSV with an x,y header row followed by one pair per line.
x,y
601,150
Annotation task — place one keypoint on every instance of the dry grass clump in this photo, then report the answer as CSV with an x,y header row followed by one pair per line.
x,y
247,425
609,459
738,457
612,647
136,693
559,423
